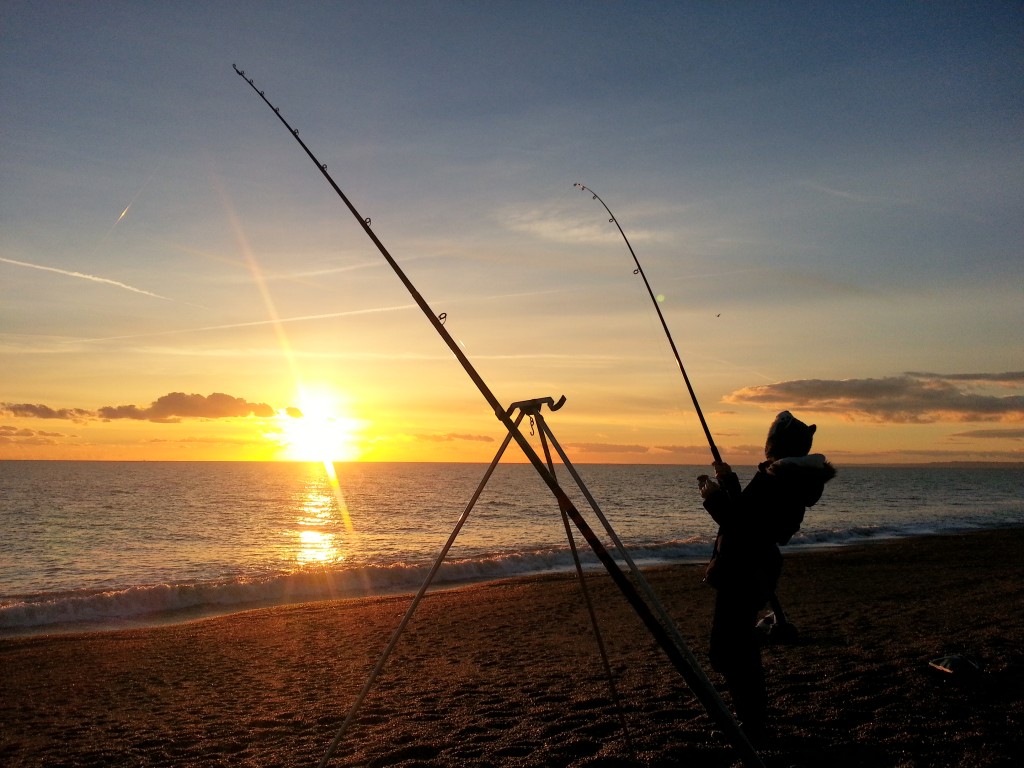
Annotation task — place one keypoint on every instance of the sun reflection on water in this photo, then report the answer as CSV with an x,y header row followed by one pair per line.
x,y
323,520
318,547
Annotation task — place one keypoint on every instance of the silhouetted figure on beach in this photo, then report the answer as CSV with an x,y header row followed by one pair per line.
x,y
746,563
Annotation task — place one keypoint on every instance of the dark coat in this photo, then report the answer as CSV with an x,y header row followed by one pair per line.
x,y
755,520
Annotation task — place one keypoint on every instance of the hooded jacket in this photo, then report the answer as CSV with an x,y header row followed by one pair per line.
x,y
755,520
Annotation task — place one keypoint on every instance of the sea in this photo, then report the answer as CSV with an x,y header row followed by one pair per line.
x,y
91,546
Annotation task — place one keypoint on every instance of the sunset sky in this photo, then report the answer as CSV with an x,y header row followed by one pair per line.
x,y
829,197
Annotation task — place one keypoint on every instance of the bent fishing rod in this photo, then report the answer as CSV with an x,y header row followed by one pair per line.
x,y
774,600
665,326
657,308
681,657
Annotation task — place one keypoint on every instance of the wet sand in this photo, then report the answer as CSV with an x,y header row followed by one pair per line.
x,y
508,674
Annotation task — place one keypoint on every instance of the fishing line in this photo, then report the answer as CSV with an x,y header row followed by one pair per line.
x,y
657,308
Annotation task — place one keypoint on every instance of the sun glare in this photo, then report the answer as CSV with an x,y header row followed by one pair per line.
x,y
322,431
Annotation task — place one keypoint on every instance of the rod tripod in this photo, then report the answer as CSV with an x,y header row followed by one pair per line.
x,y
647,606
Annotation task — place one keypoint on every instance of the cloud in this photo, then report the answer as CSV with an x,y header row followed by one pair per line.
x,y
452,436
1008,379
855,197
40,411
561,226
168,409
607,448
915,398
177,405
82,276
686,450
209,441
20,436
878,200
995,434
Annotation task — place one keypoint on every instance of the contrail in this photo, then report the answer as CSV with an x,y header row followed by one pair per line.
x,y
322,316
131,203
251,323
83,276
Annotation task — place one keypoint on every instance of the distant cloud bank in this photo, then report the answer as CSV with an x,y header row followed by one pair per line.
x,y
40,411
168,409
177,405
453,436
24,436
913,397
910,398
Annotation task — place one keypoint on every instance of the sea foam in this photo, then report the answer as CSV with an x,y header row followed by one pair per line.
x,y
162,602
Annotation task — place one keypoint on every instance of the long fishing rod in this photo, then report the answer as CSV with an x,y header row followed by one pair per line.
x,y
640,271
681,657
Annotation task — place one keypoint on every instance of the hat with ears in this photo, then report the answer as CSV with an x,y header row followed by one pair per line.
x,y
788,437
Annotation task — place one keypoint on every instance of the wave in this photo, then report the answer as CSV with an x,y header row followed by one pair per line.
x,y
88,610
159,603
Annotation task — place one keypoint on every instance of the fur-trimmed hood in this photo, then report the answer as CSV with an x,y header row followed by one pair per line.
x,y
788,437
808,472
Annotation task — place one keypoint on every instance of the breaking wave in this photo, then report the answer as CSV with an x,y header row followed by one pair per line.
x,y
158,603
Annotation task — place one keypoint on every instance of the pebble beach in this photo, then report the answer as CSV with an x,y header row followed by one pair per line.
x,y
508,673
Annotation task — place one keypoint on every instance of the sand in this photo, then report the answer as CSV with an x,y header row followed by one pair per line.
x,y
508,674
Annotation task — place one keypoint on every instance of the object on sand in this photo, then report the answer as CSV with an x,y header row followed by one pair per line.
x,y
776,631
959,669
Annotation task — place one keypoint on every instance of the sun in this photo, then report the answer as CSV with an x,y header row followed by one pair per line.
x,y
320,429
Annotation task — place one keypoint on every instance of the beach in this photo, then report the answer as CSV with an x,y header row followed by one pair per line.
x,y
509,674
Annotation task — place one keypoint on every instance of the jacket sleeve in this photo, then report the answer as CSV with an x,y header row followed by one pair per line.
x,y
763,510
725,506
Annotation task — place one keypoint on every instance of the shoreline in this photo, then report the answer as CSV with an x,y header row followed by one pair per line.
x,y
876,464
198,611
194,611
506,673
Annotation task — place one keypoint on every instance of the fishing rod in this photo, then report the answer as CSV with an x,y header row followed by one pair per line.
x,y
657,308
681,657
776,605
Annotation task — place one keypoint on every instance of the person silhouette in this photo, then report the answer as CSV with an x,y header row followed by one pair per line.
x,y
746,563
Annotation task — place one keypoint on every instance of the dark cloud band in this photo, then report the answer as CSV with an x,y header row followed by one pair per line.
x,y
169,408
910,398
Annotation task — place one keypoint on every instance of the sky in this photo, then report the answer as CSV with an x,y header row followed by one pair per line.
x,y
826,198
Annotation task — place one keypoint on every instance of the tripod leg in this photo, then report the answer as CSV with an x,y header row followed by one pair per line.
x,y
415,603
613,690
682,659
664,631
645,586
